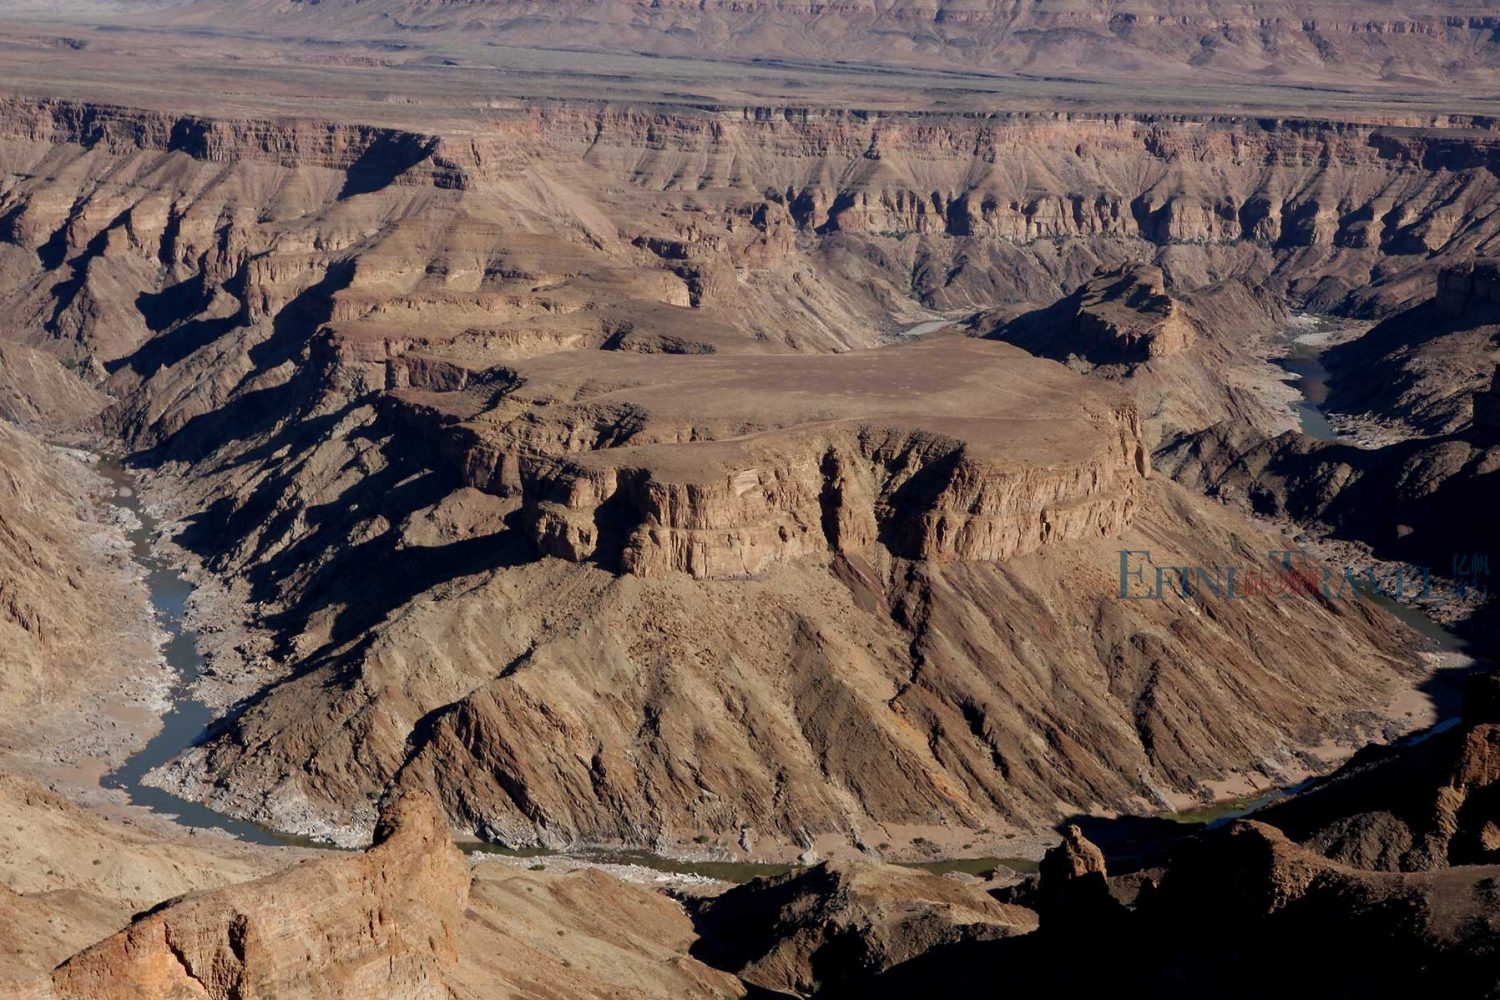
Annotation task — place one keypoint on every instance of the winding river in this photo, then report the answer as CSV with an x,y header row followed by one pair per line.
x,y
188,718
1304,364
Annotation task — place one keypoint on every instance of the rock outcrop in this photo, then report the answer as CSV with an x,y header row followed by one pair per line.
x,y
831,929
1220,906
1471,286
407,918
1420,808
69,878
721,467
1188,359
385,922
1072,886
1127,316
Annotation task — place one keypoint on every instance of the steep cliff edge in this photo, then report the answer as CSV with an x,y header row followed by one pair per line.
x,y
683,229
950,449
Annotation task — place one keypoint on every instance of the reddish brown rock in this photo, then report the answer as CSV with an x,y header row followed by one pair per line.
x,y
384,922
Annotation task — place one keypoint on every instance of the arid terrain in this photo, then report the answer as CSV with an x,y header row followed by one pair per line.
x,y
619,499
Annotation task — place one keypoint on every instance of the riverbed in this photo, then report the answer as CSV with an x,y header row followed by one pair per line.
x,y
188,719
1304,362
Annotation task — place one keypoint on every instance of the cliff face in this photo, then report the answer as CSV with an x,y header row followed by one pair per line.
x,y
720,467
1468,287
1129,317
680,231
844,696
1163,179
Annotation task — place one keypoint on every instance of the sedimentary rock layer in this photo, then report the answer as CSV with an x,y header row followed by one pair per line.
x,y
952,449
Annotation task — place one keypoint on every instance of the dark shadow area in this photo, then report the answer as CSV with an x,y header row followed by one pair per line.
x,y
162,310
243,417
616,519
257,412
53,254
298,321
901,531
1049,332
170,315
54,251
167,349
1364,381
388,156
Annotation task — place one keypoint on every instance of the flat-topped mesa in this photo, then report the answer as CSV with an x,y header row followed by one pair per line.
x,y
952,449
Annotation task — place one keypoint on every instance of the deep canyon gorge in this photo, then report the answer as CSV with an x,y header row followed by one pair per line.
x,y
709,435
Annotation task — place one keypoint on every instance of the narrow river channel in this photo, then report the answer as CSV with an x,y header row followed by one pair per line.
x,y
1304,363
188,718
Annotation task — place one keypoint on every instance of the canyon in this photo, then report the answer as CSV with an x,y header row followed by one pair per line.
x,y
724,434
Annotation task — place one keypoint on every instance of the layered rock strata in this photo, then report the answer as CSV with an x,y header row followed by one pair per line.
x,y
933,450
